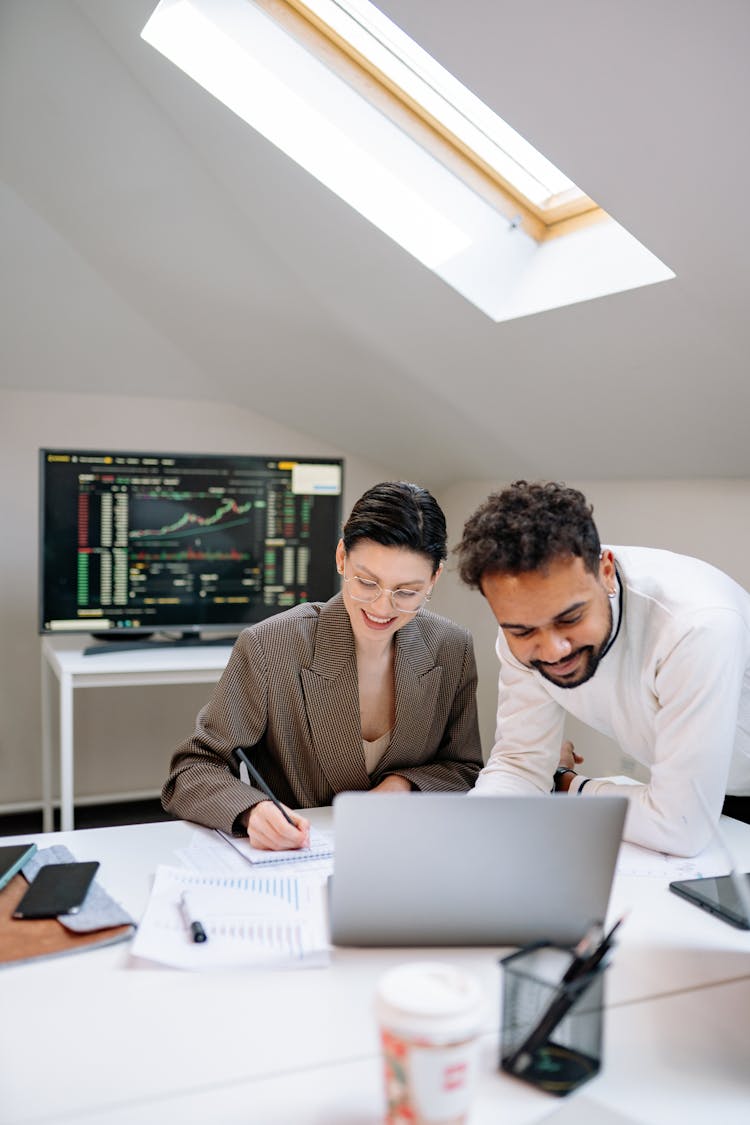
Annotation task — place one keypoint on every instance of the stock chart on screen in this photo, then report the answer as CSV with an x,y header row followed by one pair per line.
x,y
135,541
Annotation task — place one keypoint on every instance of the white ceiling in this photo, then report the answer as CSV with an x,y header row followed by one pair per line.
x,y
152,244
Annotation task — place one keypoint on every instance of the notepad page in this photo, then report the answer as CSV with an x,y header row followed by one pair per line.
x,y
321,847
272,919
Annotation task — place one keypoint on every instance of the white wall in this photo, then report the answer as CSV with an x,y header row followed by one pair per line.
x,y
123,737
709,519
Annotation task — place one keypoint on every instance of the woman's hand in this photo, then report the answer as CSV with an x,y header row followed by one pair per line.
x,y
394,783
267,828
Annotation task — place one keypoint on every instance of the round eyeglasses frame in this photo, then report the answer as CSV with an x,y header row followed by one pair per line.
x,y
378,590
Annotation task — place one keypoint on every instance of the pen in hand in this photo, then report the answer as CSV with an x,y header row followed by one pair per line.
x,y
194,927
241,756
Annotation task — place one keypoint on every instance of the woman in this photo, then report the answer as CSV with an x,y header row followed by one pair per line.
x,y
368,691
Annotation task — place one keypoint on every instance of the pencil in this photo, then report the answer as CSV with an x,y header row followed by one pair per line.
x,y
242,756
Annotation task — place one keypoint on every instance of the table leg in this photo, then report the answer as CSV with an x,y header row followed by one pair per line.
x,y
66,752
47,819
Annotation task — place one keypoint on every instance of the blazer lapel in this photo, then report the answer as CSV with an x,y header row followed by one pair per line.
x,y
332,701
418,683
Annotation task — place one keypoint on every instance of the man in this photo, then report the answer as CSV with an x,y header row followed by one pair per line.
x,y
649,647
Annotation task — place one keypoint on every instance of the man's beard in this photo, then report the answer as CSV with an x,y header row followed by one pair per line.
x,y
593,657
582,675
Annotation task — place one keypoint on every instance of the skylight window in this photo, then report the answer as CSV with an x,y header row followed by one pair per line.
x,y
353,100
435,93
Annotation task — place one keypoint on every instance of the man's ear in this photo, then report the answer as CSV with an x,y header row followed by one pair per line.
x,y
340,556
437,574
607,570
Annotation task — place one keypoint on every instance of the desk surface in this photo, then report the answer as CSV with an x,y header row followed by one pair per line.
x,y
648,1079
126,1042
66,656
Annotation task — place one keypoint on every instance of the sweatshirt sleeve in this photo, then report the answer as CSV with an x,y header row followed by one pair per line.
x,y
528,735
698,687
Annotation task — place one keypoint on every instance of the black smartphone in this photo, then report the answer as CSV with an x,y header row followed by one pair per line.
x,y
58,888
12,859
717,895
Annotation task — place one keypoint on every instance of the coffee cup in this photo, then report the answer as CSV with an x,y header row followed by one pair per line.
x,y
429,1014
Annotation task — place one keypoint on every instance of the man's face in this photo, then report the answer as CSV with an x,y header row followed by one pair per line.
x,y
557,620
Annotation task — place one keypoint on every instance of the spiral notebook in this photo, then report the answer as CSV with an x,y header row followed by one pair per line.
x,y
321,847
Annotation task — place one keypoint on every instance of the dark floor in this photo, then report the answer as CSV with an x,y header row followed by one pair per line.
x,y
87,816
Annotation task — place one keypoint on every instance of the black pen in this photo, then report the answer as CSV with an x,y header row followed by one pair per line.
x,y
242,756
590,962
197,933
585,948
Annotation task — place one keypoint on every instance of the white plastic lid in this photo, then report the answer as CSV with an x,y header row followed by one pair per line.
x,y
430,999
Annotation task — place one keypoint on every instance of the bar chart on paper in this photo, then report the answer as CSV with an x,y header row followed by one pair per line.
x,y
271,919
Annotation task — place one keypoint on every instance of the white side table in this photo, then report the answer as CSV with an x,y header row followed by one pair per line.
x,y
63,660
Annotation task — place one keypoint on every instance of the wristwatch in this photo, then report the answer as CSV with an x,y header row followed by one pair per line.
x,y
558,774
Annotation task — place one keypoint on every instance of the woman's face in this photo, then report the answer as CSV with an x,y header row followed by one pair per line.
x,y
390,574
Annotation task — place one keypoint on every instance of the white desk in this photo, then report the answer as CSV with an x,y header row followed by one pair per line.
x,y
63,661
102,1039
647,1079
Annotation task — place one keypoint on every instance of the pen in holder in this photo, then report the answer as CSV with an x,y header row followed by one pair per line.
x,y
551,1018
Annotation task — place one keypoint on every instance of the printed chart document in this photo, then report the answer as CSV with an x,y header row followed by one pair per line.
x,y
635,860
270,919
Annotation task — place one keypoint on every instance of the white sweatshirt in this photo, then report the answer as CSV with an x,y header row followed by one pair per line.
x,y
673,691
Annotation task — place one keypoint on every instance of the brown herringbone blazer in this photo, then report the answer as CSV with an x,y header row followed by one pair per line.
x,y
290,692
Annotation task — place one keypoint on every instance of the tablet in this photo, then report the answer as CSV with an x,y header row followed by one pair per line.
x,y
12,859
717,895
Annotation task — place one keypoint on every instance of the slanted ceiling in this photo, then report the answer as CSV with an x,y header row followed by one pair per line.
x,y
152,244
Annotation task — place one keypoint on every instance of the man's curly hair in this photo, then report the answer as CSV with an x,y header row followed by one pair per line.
x,y
525,527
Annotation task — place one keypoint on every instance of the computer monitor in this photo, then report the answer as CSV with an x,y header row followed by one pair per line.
x,y
142,543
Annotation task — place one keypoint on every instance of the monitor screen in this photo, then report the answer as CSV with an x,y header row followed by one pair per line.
x,y
134,543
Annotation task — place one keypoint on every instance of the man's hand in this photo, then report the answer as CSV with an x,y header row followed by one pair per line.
x,y
267,828
563,781
392,784
568,757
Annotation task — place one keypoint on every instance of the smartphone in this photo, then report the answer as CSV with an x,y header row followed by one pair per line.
x,y
717,895
12,859
59,888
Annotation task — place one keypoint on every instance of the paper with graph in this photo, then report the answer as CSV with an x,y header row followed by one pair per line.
x,y
265,920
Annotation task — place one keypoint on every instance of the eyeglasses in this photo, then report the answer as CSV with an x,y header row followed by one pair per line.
x,y
403,601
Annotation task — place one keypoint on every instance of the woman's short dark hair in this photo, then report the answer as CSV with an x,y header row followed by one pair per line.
x,y
399,514
525,527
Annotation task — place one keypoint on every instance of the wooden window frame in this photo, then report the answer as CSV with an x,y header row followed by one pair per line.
x,y
560,215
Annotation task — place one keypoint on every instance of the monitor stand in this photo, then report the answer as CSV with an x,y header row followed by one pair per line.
x,y
124,642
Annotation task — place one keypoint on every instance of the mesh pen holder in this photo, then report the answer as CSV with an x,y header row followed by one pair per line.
x,y
551,1031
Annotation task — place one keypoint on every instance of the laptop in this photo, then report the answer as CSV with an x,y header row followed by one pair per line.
x,y
430,869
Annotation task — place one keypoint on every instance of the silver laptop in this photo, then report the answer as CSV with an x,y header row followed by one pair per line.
x,y
448,869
